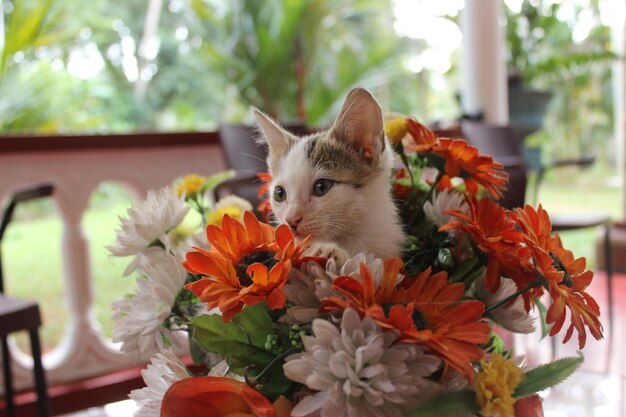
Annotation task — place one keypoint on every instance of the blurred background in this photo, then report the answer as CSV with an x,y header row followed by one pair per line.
x,y
100,68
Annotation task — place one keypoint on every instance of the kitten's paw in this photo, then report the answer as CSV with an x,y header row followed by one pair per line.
x,y
328,250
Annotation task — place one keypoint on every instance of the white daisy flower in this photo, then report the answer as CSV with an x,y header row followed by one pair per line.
x,y
442,201
512,317
358,371
165,369
139,318
146,222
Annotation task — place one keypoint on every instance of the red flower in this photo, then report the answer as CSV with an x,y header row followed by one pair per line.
x,y
401,190
219,397
429,311
496,234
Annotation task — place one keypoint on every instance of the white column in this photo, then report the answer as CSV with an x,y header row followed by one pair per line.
x,y
483,61
618,38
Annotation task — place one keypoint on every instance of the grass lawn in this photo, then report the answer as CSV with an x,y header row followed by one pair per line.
x,y
32,256
31,249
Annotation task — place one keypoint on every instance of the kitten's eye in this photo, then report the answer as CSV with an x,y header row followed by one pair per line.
x,y
322,186
280,194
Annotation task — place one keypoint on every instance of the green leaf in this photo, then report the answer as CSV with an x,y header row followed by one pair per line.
x,y
546,376
543,312
242,343
448,404
216,179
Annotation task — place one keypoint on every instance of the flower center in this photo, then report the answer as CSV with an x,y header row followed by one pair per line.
x,y
567,278
265,257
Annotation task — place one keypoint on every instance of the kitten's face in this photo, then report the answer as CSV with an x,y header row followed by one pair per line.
x,y
317,187
320,183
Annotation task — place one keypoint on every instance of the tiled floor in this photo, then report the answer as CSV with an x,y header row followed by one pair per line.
x,y
596,390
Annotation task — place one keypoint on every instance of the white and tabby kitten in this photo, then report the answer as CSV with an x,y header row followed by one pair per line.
x,y
335,185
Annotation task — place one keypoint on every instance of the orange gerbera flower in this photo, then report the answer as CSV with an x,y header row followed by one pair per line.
x,y
429,311
400,189
264,207
244,266
496,234
566,277
423,137
463,160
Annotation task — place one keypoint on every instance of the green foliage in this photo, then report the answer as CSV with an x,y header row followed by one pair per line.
x,y
449,404
242,343
297,58
549,375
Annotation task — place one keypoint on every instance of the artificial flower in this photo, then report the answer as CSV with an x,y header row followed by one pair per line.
x,y
219,397
358,370
497,236
139,318
565,276
426,310
190,185
232,205
396,129
147,224
164,370
244,266
495,384
511,316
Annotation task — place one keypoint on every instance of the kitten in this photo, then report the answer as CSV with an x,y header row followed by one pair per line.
x,y
335,185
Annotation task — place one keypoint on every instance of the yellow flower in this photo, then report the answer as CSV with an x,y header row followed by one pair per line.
x,y
232,205
495,384
190,185
396,129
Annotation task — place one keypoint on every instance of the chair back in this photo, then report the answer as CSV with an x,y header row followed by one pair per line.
x,y
503,143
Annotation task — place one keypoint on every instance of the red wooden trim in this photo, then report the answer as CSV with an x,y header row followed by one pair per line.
x,y
92,392
13,144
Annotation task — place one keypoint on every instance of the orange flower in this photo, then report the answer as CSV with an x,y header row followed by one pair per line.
x,y
497,236
428,311
565,275
423,137
219,397
401,191
245,265
264,207
463,160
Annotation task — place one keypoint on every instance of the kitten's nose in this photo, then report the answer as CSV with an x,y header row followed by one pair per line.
x,y
294,222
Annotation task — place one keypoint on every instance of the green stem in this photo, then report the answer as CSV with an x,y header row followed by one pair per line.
x,y
271,364
540,280
426,197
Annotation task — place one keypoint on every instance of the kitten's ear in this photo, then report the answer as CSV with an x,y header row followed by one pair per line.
x,y
360,124
278,139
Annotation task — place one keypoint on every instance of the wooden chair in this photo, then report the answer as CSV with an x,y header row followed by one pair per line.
x,y
17,315
505,145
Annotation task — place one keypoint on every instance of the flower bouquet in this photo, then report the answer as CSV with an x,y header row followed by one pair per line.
x,y
277,332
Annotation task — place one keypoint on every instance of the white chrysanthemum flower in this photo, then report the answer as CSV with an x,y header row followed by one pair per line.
x,y
442,201
139,318
358,371
146,222
512,317
165,369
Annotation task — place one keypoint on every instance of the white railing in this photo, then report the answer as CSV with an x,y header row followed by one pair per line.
x,y
75,166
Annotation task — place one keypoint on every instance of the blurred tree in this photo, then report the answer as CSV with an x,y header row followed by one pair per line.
x,y
544,53
296,58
